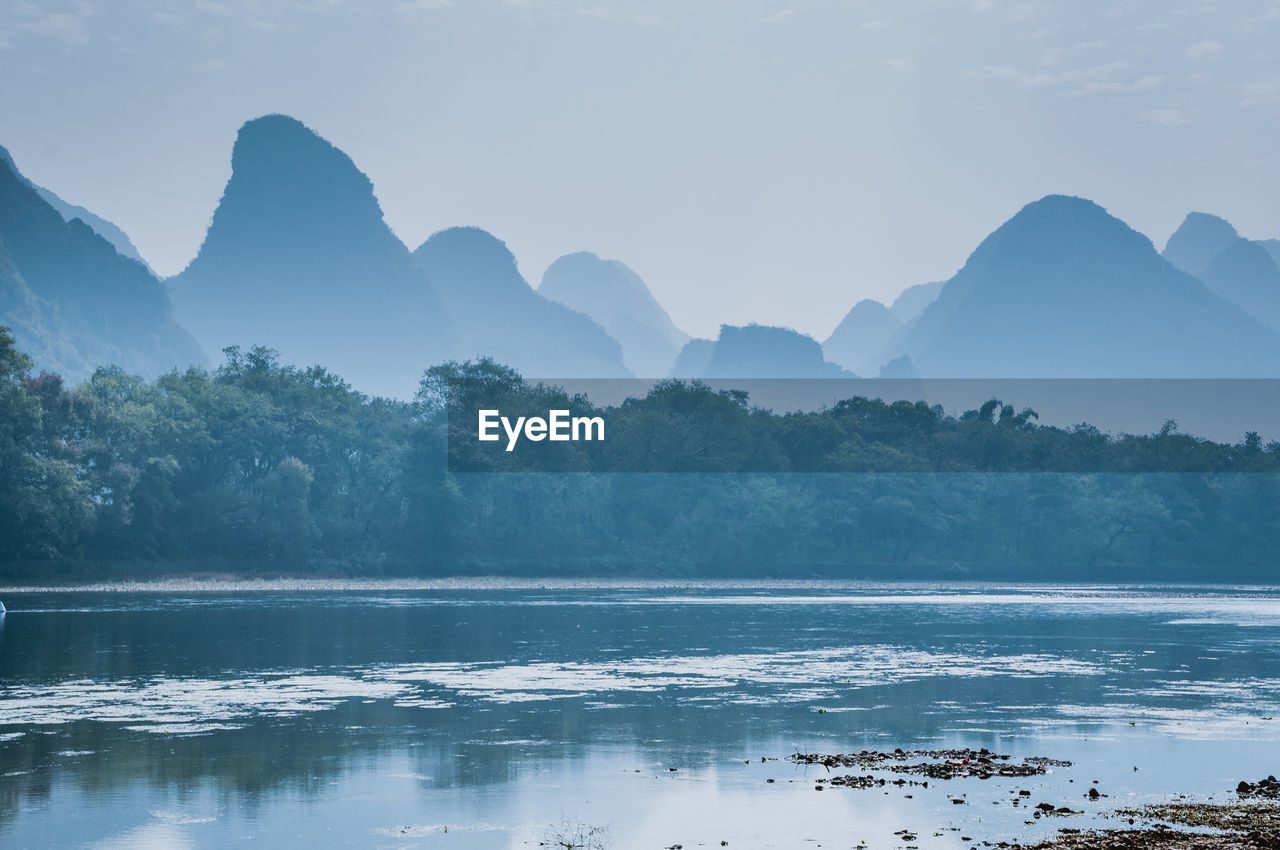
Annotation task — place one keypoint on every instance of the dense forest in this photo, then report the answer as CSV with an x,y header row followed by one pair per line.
x,y
258,467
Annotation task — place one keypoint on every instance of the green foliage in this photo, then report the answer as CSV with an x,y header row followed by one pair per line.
x,y
267,466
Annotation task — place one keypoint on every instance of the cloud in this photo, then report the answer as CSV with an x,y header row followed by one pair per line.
x,y
411,6
1202,49
1104,78
414,10
1013,74
1263,91
61,26
1165,117
1146,82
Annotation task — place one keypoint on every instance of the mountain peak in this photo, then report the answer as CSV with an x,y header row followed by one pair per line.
x,y
1199,239
861,333
276,134
1066,221
619,300
469,251
289,187
106,229
1064,289
604,289
298,255
295,201
280,142
500,315
768,351
912,300
73,301
1246,275
1055,232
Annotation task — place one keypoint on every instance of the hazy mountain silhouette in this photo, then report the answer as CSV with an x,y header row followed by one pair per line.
x,y
1273,248
693,358
106,229
298,257
866,337
861,334
616,297
1063,289
499,315
912,300
73,301
1246,275
1199,239
758,351
899,368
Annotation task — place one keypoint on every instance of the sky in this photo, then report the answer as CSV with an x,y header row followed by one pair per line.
x,y
753,161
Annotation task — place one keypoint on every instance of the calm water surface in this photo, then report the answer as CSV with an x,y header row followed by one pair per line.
x,y
379,718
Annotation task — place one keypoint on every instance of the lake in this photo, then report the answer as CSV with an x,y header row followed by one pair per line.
x,y
501,715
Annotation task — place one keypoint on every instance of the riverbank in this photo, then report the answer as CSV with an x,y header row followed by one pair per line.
x,y
1231,826
231,582
1250,822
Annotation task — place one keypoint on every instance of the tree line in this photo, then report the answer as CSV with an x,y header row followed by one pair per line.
x,y
256,466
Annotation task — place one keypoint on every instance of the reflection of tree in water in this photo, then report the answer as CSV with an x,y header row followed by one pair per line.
x,y
483,740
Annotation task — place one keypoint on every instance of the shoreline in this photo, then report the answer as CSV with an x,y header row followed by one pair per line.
x,y
233,583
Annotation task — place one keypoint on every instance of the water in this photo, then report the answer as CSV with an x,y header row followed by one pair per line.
x,y
382,716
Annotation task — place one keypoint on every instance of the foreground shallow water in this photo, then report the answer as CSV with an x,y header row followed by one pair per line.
x,y
511,714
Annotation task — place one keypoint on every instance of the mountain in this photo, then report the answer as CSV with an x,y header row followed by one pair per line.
x,y
1246,275
693,358
898,369
298,258
1063,289
861,334
107,230
1199,239
498,314
73,301
756,351
1273,248
912,300
616,297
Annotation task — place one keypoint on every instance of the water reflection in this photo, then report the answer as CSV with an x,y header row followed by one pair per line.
x,y
301,716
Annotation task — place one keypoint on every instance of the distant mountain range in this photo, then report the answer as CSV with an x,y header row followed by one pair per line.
x,y
615,296
1272,246
861,334
1246,275
1199,239
73,301
755,351
1063,289
858,341
106,229
912,300
298,257
499,315
1244,272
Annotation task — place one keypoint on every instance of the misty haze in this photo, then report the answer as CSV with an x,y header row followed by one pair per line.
x,y
608,426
